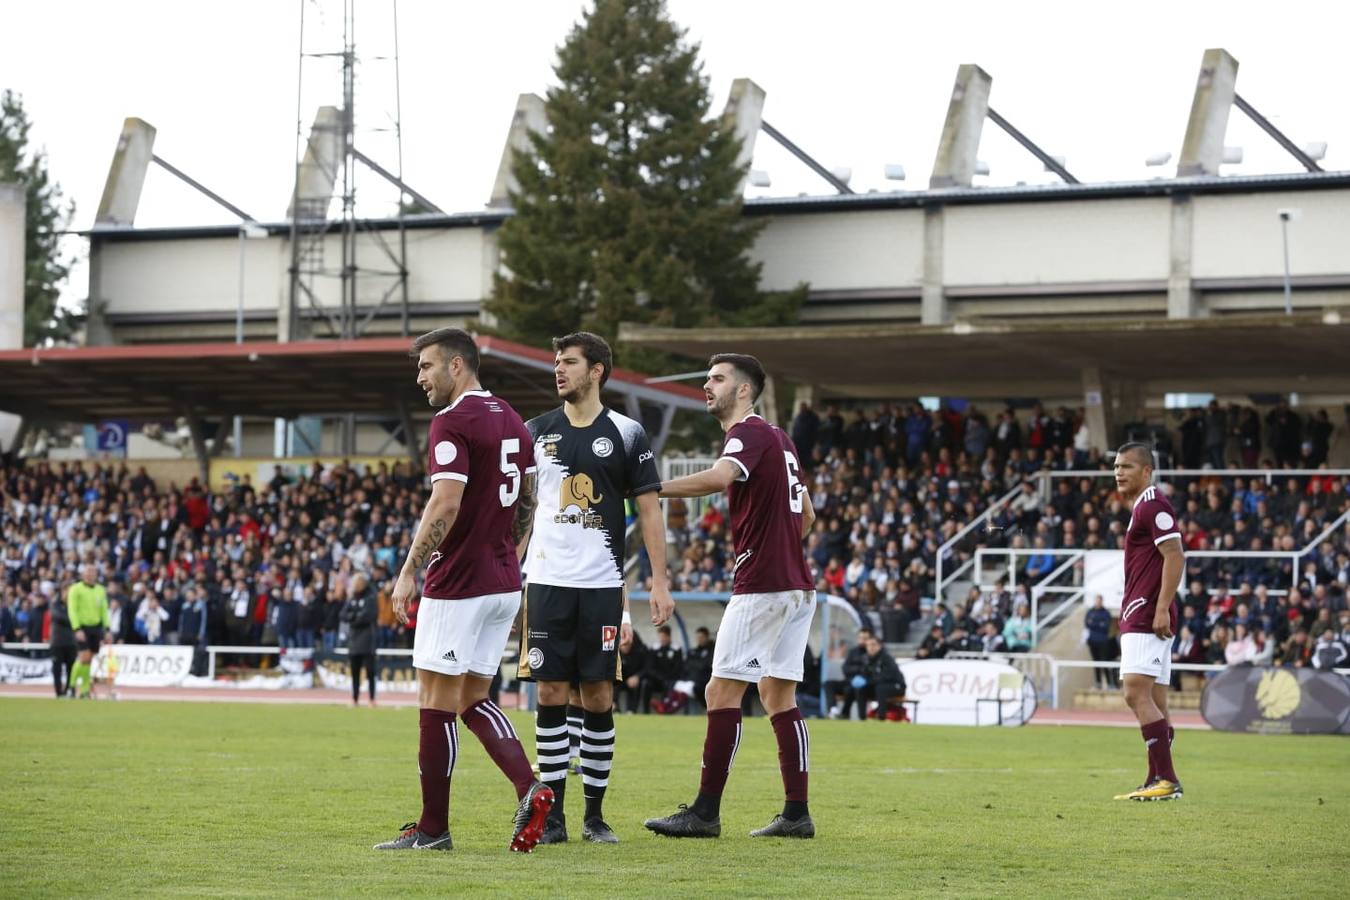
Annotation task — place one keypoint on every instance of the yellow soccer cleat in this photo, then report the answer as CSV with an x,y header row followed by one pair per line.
x,y
1158,789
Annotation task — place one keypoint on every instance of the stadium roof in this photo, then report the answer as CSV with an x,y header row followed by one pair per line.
x,y
1240,353
1206,184
369,375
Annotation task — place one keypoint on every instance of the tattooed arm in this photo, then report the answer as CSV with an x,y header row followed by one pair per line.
x,y
437,520
524,521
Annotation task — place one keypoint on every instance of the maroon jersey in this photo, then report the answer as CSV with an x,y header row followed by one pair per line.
x,y
1152,522
481,441
766,509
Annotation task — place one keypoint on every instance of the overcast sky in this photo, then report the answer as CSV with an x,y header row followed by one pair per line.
x,y
855,83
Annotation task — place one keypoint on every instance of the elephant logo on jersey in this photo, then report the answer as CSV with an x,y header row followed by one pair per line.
x,y
579,490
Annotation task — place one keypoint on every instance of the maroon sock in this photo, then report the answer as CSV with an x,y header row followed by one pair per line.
x,y
719,749
494,730
436,752
1159,750
794,752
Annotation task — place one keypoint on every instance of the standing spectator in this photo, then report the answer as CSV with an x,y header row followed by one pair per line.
x,y
1192,439
805,429
360,612
62,643
1097,627
633,663
150,619
1216,434
1249,438
1320,430
192,628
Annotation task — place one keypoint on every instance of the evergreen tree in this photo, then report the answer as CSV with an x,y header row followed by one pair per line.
x,y
46,217
628,209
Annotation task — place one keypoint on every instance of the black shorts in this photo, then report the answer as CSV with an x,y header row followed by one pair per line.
x,y
93,638
570,634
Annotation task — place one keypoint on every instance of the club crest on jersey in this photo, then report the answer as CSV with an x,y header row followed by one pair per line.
x,y
609,636
602,447
549,450
535,657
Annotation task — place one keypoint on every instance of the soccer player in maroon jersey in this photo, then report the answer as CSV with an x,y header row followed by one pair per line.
x,y
764,631
481,464
1154,562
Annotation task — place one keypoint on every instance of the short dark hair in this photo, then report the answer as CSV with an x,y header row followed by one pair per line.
x,y
664,629
1137,446
593,347
453,341
745,364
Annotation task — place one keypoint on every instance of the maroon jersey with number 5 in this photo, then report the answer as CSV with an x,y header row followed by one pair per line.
x,y
1152,522
481,441
766,500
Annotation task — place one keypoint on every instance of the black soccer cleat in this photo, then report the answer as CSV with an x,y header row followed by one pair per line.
x,y
555,830
597,832
781,827
531,815
411,838
684,823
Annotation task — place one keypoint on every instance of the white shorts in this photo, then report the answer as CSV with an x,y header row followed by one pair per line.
x,y
469,635
764,635
1146,654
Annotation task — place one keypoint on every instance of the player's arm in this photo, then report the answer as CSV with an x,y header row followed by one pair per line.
x,y
653,525
437,520
523,525
808,513
710,481
1174,564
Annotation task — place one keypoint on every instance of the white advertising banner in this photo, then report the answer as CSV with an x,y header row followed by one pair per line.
x,y
22,670
1104,573
968,692
145,665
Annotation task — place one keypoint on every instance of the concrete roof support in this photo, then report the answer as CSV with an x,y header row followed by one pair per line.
x,y
933,309
955,162
1183,301
743,114
1202,150
529,116
13,213
319,169
126,175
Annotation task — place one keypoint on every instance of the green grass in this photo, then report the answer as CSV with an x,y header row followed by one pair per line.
x,y
224,799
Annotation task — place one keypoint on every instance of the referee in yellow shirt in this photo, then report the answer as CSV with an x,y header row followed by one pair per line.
x,y
87,602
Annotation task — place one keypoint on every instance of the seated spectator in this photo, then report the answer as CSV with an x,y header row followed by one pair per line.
x,y
1328,653
1296,651
854,663
665,666
934,646
1018,632
1241,649
698,664
991,641
880,682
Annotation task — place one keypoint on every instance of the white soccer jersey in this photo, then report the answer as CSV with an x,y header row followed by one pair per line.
x,y
585,474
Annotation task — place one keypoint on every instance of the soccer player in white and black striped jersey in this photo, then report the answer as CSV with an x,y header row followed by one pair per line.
x,y
590,460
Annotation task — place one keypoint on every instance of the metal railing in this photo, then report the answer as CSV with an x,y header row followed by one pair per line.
x,y
943,579
1045,585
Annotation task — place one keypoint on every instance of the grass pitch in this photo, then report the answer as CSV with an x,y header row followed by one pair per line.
x,y
239,800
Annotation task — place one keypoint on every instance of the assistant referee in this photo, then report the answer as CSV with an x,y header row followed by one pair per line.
x,y
87,603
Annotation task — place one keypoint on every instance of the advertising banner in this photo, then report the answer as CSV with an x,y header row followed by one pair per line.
x,y
1277,701
144,665
22,670
393,673
968,692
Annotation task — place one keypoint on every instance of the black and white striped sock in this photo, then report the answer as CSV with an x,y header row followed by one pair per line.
x,y
550,750
597,755
574,718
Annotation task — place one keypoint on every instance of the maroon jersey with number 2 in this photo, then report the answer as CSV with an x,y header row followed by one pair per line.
x,y
1152,521
766,509
479,440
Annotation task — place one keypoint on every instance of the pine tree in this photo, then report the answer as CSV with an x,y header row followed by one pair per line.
x,y
628,209
46,217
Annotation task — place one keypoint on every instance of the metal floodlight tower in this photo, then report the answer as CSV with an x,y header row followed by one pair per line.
x,y
326,163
